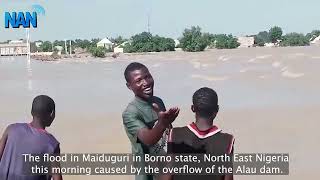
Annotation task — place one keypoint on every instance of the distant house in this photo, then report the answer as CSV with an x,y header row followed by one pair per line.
x,y
176,42
38,43
246,42
58,49
119,49
14,48
16,42
105,43
269,44
316,41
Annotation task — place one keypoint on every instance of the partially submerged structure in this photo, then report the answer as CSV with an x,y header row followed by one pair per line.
x,y
106,43
246,42
14,48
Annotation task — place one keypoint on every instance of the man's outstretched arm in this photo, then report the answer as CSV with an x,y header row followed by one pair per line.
x,y
165,118
136,127
151,136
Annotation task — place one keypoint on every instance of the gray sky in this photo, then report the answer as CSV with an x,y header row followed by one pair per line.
x,y
71,19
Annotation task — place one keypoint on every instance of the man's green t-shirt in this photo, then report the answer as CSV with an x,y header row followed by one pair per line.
x,y
140,114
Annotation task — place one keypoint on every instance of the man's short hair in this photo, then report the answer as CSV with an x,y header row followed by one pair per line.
x,y
132,67
205,102
42,106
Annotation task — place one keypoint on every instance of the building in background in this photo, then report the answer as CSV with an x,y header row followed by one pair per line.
x,y
105,42
14,48
176,42
316,41
38,44
246,42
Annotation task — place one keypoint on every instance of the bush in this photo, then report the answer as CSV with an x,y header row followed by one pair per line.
x,y
261,38
46,46
210,39
295,39
224,41
118,40
314,34
275,34
145,42
193,40
98,51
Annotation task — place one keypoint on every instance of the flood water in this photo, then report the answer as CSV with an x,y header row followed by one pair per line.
x,y
261,90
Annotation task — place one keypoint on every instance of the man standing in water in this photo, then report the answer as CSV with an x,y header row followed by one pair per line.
x,y
145,119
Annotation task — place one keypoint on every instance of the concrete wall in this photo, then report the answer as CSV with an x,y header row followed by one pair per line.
x,y
246,42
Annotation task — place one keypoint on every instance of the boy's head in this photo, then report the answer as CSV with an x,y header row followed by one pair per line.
x,y
205,103
43,108
139,80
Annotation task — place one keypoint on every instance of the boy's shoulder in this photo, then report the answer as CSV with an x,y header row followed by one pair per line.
x,y
16,126
214,140
179,133
54,139
23,127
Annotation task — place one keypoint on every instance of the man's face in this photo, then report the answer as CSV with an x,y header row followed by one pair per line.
x,y
141,83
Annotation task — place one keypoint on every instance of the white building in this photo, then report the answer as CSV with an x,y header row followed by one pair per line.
x,y
316,41
246,42
105,43
38,44
16,42
269,45
119,49
13,49
58,49
176,42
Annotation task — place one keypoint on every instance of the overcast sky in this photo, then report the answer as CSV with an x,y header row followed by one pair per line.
x,y
71,19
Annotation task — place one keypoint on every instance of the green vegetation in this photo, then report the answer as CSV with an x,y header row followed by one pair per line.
x,y
98,51
33,47
275,34
294,39
261,38
224,41
311,36
291,39
193,40
118,40
84,44
46,46
145,42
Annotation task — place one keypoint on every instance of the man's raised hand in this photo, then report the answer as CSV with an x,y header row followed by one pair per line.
x,y
166,117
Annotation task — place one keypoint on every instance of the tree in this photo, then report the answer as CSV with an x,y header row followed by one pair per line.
x,y
33,47
46,46
261,38
193,40
98,51
210,39
295,39
162,44
314,34
224,41
275,34
145,42
118,40
94,41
